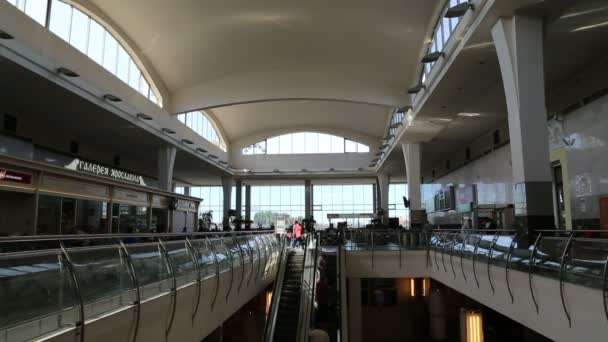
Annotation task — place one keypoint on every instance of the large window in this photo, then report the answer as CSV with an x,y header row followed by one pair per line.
x,y
91,38
396,207
279,205
441,34
305,143
343,199
213,200
200,123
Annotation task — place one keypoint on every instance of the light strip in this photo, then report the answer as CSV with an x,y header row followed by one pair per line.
x,y
583,28
412,287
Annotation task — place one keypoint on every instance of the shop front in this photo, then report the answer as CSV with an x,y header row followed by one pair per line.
x,y
41,199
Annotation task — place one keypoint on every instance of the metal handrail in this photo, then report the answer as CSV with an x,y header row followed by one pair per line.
x,y
492,245
162,247
276,295
530,266
452,254
464,244
229,252
76,287
135,280
474,257
508,263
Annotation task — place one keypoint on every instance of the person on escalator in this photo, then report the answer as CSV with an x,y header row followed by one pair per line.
x,y
298,232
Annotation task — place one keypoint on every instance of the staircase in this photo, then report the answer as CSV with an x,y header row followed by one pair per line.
x,y
289,306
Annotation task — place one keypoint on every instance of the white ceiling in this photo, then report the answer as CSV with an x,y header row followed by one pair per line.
x,y
211,54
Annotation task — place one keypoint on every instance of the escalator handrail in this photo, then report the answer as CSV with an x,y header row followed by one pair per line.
x,y
271,321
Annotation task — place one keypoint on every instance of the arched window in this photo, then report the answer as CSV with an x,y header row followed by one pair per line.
x,y
91,38
200,123
442,33
305,143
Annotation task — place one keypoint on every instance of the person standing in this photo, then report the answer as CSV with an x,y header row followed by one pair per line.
x,y
298,232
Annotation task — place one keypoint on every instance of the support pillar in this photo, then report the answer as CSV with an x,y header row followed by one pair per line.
x,y
227,183
382,181
411,155
308,204
238,201
519,45
165,164
248,205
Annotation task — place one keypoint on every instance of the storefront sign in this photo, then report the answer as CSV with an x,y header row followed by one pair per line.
x,y
15,177
105,171
185,205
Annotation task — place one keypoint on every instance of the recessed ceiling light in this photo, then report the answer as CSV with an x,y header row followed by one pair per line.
x,y
201,150
375,160
112,98
583,28
223,162
67,72
5,35
144,116
371,165
469,115
332,169
213,156
379,153
382,147
168,131
246,170
304,170
389,137
276,170
187,141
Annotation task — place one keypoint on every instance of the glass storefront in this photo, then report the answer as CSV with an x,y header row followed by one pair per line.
x,y
58,215
129,219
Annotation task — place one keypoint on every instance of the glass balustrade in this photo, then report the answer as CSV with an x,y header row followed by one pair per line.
x,y
80,278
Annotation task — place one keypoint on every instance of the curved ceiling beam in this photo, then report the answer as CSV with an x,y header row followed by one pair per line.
x,y
280,86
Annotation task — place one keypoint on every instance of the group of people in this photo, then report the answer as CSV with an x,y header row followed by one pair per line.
x,y
296,235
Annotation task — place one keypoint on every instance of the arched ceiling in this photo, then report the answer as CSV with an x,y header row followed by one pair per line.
x,y
214,53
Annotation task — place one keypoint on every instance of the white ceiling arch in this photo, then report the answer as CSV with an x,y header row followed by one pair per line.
x,y
216,53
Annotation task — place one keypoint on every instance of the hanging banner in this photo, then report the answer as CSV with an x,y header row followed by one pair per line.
x,y
105,171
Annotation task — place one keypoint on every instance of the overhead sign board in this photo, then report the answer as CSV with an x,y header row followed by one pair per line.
x,y
15,177
105,171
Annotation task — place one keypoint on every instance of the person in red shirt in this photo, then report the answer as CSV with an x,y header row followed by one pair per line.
x,y
298,232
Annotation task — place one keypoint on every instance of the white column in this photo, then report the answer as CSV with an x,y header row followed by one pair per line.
x,y
354,310
411,155
165,164
227,183
519,45
382,183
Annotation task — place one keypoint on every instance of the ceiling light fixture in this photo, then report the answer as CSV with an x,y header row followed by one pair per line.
x,y
416,89
404,109
379,154
213,156
332,169
459,10
223,162
144,116
389,137
187,141
375,160
168,131
382,147
246,170
469,115
201,150
371,165
112,98
304,170
5,35
432,57
395,125
67,72
276,170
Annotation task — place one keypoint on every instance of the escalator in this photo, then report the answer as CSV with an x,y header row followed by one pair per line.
x,y
286,326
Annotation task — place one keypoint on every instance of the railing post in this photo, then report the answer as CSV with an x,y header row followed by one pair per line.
x,y
508,264
474,259
530,266
164,251
494,239
231,268
447,235
452,253
133,275
76,287
464,244
195,259
605,288
238,244
562,265
217,271
399,245
373,247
